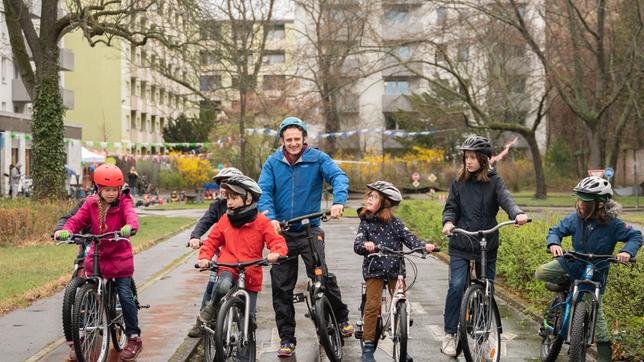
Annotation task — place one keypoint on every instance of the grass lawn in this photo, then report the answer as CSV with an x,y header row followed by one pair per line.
x,y
32,272
180,206
565,199
636,217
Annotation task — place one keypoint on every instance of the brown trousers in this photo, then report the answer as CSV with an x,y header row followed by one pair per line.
x,y
373,305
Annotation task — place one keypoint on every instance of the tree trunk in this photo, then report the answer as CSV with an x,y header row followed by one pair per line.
x,y
540,178
48,150
592,137
619,130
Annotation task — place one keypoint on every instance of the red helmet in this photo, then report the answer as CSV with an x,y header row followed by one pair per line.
x,y
108,175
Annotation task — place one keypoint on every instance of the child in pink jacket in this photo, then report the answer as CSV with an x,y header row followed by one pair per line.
x,y
110,210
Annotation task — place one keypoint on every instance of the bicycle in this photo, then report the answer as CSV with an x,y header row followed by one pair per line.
x,y
76,281
233,335
97,315
319,307
571,315
479,327
394,307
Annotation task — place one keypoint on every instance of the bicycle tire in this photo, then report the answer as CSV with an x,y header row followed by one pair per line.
x,y
208,343
236,306
480,335
400,332
68,305
551,341
328,330
89,325
115,318
579,330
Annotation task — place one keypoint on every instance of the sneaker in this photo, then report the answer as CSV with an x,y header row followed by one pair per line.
x,y
286,350
132,349
195,331
72,353
346,329
207,314
448,346
368,350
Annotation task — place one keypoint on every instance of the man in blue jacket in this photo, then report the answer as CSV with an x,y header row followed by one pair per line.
x,y
291,182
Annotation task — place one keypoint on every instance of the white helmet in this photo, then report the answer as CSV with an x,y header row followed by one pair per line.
x,y
225,173
242,184
594,186
388,189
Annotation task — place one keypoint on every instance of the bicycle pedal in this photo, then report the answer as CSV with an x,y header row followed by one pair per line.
x,y
307,315
411,322
298,298
358,334
146,306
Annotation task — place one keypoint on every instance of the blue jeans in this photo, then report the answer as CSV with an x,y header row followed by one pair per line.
x,y
458,268
208,292
126,298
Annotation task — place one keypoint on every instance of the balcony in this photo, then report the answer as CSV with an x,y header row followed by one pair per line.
x,y
66,60
394,69
392,103
19,92
409,30
68,98
351,68
348,103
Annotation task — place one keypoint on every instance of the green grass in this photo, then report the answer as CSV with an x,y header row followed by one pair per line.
x,y
182,205
27,269
565,199
636,217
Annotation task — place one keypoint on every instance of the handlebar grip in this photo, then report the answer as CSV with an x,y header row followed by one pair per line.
x,y
529,220
436,249
197,266
281,259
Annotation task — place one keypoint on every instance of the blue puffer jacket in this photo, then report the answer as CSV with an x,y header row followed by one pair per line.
x,y
292,191
591,237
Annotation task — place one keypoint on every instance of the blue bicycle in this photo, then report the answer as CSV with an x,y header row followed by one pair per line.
x,y
571,315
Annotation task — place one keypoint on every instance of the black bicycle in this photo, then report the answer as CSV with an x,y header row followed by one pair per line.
x,y
96,314
571,315
75,282
232,334
479,327
317,302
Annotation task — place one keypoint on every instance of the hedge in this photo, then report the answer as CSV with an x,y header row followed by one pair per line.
x,y
523,249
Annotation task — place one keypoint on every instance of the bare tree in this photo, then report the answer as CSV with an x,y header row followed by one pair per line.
x,y
100,22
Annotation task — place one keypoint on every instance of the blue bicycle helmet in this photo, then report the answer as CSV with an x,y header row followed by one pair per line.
x,y
292,121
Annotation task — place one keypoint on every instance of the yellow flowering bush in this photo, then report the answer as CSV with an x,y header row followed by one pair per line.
x,y
193,170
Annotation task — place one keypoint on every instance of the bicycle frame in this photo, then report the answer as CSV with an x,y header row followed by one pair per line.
x,y
238,291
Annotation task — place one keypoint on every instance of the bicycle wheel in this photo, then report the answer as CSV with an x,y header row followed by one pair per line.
x,y
208,343
115,318
68,305
400,332
479,330
229,335
328,329
89,325
579,330
551,341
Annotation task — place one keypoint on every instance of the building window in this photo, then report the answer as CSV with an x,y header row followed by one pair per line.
x,y
518,86
404,53
209,30
391,122
276,32
441,16
441,52
273,82
463,53
207,57
274,57
4,69
127,122
397,87
4,106
209,82
396,17
234,82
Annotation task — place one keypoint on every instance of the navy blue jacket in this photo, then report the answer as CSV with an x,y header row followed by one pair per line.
x,y
592,237
292,191
215,211
392,235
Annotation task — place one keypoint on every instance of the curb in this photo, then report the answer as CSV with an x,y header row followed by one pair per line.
x,y
186,350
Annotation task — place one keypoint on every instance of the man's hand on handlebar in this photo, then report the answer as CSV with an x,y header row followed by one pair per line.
x,y
336,211
194,243
447,228
276,226
623,257
203,263
556,250
521,219
370,246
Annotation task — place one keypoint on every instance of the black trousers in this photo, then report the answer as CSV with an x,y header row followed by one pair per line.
x,y
284,278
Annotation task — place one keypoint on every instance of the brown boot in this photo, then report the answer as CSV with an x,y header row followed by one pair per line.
x,y
195,331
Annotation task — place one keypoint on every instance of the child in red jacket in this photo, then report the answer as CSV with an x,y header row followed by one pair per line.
x,y
240,235
111,210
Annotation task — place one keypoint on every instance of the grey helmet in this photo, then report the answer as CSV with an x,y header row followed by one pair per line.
x,y
225,173
477,144
595,185
242,184
388,189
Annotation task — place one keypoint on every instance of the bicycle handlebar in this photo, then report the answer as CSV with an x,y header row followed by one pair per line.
x,y
592,257
79,238
242,265
381,249
322,215
484,232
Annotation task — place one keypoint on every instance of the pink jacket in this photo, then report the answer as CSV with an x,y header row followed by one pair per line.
x,y
116,258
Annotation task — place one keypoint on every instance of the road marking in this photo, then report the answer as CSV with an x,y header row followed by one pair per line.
x,y
387,346
417,308
435,331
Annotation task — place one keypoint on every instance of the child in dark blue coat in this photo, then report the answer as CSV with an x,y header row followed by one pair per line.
x,y
595,229
378,226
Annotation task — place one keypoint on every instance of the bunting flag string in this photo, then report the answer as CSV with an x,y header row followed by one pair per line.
x,y
346,134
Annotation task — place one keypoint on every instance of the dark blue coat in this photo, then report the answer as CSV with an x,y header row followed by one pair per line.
x,y
392,235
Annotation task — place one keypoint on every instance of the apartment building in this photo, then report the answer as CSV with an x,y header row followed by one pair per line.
x,y
124,95
16,108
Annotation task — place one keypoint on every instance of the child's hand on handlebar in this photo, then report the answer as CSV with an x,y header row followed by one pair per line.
x,y
203,263
429,247
336,211
556,250
447,228
62,235
370,246
623,257
272,257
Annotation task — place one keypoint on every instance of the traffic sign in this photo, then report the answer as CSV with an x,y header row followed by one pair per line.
x,y
415,176
609,172
220,166
432,178
596,172
416,184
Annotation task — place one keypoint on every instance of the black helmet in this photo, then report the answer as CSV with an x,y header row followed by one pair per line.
x,y
242,184
477,144
388,189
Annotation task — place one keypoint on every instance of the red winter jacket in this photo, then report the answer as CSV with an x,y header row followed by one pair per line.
x,y
116,259
243,244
